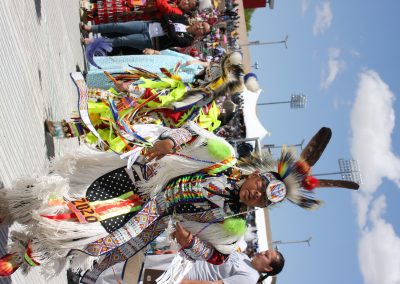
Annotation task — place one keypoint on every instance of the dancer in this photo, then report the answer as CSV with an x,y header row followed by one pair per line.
x,y
165,101
151,61
92,208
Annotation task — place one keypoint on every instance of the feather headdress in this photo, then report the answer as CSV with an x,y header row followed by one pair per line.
x,y
290,176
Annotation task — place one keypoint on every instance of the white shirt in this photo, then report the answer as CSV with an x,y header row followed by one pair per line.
x,y
236,270
156,30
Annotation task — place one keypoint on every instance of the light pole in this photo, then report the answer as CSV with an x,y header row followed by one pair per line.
x,y
292,242
296,101
273,146
257,42
348,170
256,65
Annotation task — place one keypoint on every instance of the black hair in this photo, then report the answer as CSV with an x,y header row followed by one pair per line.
x,y
196,7
277,266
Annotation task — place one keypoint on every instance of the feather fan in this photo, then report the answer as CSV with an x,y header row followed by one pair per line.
x,y
99,47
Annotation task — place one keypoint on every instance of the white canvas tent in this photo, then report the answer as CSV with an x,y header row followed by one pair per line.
x,y
254,128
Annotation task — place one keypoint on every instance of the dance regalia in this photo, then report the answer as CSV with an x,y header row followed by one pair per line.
x,y
117,65
112,117
164,101
91,208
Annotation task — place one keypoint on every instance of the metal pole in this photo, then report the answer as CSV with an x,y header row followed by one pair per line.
x,y
273,103
292,242
256,65
273,146
257,42
335,173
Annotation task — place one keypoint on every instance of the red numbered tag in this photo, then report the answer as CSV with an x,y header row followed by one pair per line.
x,y
83,211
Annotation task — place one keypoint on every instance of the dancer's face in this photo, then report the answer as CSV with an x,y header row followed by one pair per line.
x,y
252,192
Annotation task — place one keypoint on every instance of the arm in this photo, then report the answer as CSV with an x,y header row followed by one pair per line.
x,y
178,136
164,8
168,141
201,250
196,61
150,51
197,249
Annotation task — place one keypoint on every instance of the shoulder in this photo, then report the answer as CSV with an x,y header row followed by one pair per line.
x,y
245,267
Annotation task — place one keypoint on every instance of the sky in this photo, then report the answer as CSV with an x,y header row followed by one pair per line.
x,y
344,56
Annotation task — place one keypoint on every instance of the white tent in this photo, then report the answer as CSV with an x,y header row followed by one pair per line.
x,y
254,128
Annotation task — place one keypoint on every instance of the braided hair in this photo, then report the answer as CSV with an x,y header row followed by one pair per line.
x,y
277,266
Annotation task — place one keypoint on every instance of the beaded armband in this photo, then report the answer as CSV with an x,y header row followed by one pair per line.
x,y
178,136
199,250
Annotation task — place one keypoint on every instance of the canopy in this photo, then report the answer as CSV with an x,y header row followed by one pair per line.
x,y
254,128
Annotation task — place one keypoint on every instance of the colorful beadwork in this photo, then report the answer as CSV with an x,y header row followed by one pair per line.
x,y
148,215
186,189
199,250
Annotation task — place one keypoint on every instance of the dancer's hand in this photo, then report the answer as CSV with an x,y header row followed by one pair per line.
x,y
149,51
182,236
160,149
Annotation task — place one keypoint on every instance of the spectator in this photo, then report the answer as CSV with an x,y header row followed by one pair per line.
x,y
171,31
237,269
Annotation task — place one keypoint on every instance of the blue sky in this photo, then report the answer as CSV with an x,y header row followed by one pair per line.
x,y
344,56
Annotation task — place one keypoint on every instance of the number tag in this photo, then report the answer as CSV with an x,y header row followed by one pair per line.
x,y
83,211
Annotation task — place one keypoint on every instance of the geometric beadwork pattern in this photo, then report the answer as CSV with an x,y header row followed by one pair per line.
x,y
150,212
200,250
127,250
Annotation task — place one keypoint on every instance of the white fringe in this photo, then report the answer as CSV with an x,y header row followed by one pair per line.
x,y
66,235
214,234
51,243
29,194
83,166
82,262
172,166
52,240
177,270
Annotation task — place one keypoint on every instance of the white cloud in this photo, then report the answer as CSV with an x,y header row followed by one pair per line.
x,y
355,53
362,202
323,18
305,4
334,67
339,102
379,249
372,122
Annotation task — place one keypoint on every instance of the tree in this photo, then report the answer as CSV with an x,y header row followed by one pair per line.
x,y
248,13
